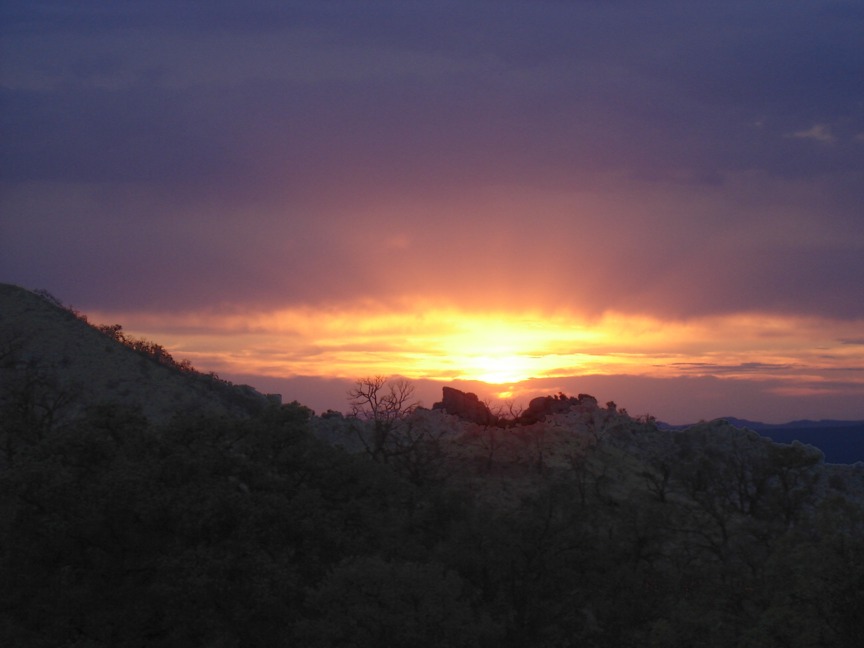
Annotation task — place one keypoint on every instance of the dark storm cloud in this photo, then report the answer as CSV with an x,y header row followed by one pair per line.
x,y
259,150
618,85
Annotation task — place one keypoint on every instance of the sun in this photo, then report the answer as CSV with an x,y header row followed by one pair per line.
x,y
498,351
492,352
497,370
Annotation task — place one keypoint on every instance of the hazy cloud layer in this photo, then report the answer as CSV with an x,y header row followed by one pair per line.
x,y
684,156
672,159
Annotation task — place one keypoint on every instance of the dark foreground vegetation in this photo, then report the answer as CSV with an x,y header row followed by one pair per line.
x,y
265,525
220,532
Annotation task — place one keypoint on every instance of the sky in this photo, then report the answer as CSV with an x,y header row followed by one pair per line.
x,y
658,203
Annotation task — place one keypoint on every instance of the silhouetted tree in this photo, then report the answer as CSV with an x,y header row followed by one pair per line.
x,y
385,405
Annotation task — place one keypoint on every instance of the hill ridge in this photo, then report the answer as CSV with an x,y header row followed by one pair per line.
x,y
54,344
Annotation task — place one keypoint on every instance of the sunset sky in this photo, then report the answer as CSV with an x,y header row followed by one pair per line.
x,y
658,203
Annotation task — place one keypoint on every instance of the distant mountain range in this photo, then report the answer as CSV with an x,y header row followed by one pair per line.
x,y
840,441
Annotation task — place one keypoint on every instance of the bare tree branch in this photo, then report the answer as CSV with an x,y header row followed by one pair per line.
x,y
385,404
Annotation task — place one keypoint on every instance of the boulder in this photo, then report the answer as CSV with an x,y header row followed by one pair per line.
x,y
542,406
466,406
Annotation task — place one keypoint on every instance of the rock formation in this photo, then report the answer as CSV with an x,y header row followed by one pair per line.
x,y
466,406
542,406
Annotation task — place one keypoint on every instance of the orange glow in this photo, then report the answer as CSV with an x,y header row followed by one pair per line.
x,y
421,341
498,369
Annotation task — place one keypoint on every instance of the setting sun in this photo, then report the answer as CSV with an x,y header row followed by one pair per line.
x,y
497,370
511,351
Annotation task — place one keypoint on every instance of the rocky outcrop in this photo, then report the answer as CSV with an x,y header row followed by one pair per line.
x,y
466,406
542,406
469,407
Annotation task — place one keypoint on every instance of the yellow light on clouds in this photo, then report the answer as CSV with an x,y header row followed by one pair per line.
x,y
431,342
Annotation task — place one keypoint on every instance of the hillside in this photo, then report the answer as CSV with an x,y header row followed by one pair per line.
x,y
56,354
222,518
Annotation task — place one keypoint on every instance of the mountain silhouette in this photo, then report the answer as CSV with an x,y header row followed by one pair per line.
x,y
842,442
54,349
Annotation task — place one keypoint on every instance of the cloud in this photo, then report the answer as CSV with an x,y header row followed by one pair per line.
x,y
623,245
424,340
302,79
817,132
585,158
689,369
703,368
